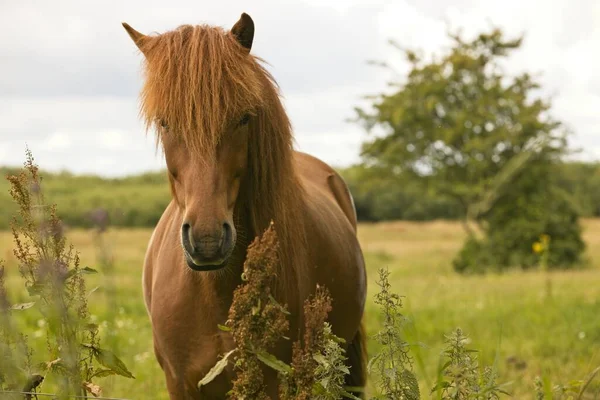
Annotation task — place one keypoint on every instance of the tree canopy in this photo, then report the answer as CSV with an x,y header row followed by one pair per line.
x,y
461,127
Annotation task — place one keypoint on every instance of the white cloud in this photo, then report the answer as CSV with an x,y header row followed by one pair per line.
x,y
69,87
338,148
112,140
57,141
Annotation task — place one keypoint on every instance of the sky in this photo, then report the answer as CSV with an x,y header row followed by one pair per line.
x,y
70,75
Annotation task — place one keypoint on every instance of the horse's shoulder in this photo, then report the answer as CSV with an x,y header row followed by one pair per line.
x,y
153,251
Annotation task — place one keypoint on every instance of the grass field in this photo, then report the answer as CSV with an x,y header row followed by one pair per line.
x,y
506,316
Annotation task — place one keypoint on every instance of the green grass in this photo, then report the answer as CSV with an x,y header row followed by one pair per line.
x,y
77,195
505,315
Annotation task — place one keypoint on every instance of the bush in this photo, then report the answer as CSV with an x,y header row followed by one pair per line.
x,y
517,221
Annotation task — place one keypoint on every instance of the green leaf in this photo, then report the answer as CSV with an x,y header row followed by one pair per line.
x,y
411,390
321,359
282,308
103,373
358,389
273,362
589,379
224,328
110,360
346,392
81,271
35,289
441,385
93,290
446,365
338,339
22,306
216,370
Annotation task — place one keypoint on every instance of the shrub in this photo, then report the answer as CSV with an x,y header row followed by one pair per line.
x,y
516,222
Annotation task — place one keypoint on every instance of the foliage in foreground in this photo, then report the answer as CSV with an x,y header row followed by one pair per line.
x,y
393,364
55,283
257,322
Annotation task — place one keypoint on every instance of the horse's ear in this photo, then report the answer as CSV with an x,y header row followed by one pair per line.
x,y
137,37
243,30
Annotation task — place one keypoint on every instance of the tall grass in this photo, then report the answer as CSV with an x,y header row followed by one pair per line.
x,y
55,281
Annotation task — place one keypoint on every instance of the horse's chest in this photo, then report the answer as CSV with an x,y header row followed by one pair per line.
x,y
187,337
189,350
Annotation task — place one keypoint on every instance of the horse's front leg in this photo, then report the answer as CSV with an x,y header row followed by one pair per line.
x,y
176,384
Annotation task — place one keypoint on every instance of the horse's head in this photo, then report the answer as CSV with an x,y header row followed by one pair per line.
x,y
202,93
206,190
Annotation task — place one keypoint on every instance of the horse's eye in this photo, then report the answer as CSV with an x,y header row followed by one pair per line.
x,y
163,124
245,119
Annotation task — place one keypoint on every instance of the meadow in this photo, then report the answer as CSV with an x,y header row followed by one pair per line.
x,y
508,317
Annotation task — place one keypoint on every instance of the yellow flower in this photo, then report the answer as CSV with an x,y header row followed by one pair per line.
x,y
537,247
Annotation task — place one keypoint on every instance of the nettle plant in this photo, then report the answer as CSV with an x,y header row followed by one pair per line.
x,y
257,321
55,282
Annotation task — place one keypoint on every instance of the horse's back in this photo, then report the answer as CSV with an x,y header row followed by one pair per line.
x,y
332,241
323,176
337,256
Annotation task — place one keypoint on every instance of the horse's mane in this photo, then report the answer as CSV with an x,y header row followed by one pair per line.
x,y
198,80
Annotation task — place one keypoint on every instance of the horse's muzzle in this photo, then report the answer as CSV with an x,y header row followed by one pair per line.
x,y
207,252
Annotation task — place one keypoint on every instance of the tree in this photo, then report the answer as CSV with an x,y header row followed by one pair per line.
x,y
463,128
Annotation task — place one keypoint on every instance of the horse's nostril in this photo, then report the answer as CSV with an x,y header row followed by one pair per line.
x,y
227,237
207,246
185,235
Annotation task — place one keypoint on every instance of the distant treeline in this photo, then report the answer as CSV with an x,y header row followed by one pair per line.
x,y
140,200
377,198
131,201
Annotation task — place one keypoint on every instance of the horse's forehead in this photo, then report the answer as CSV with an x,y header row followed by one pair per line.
x,y
199,83
199,144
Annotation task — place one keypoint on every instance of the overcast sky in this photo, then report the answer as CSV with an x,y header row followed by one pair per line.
x,y
70,75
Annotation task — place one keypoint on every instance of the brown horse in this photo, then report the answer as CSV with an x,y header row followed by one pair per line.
x,y
227,142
